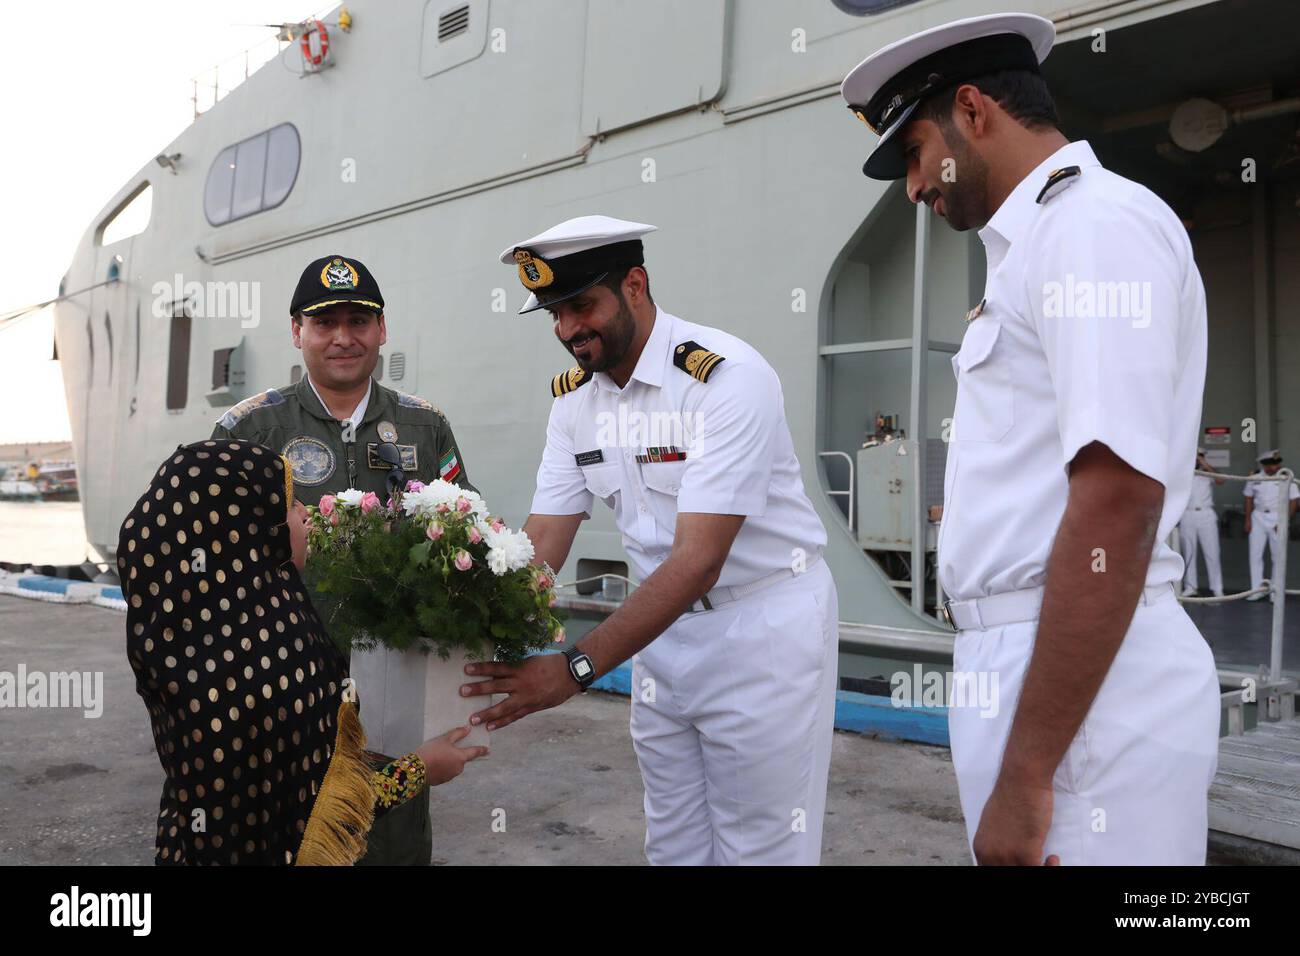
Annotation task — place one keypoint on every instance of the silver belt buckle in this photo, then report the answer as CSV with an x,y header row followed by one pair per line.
x,y
947,613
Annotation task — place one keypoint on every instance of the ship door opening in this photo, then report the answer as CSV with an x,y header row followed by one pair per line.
x,y
1202,106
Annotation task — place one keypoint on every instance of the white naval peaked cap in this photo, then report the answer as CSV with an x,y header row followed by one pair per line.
x,y
1270,455
885,88
573,256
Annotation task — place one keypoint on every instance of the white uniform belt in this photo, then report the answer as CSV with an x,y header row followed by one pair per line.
x,y
726,595
1012,607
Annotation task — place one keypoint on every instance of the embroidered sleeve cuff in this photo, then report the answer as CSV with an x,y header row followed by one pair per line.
x,y
399,781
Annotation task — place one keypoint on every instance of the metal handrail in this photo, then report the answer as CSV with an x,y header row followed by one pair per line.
x,y
1277,583
852,484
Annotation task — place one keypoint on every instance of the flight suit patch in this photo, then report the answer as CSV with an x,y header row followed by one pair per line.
x,y
313,461
449,466
237,414
410,458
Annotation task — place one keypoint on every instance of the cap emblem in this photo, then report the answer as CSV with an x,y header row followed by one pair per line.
x,y
534,273
339,274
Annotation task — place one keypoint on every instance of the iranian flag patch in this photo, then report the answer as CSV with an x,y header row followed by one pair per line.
x,y
449,467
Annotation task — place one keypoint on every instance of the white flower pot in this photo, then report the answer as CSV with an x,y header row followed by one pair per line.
x,y
408,697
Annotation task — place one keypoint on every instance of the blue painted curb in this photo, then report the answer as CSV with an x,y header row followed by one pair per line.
x,y
859,713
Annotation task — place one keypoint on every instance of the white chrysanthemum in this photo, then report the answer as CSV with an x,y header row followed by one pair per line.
x,y
508,550
351,498
439,492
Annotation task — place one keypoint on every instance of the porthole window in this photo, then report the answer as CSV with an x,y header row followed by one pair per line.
x,y
252,176
864,8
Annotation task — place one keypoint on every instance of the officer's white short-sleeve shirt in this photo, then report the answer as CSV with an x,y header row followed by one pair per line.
x,y
1093,329
1202,493
1268,494
739,455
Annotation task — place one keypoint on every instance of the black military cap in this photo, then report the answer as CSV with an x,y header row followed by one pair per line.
x,y
335,280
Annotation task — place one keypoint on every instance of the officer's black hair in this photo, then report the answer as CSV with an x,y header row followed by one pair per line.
x,y
614,281
1022,93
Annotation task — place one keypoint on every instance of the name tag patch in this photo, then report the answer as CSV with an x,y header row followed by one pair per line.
x,y
410,460
589,457
661,453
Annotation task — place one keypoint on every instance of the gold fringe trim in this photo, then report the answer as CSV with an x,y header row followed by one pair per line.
x,y
345,807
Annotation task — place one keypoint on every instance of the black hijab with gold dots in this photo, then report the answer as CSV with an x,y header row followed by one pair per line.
x,y
240,679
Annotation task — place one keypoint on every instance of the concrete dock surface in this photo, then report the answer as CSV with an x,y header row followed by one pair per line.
x,y
84,791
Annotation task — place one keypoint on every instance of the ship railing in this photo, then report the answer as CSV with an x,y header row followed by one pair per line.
x,y
1276,585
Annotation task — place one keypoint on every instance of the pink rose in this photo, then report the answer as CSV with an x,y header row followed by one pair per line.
x,y
498,524
327,505
463,561
414,485
544,580
433,532
463,505
369,502
334,519
442,509
559,636
474,536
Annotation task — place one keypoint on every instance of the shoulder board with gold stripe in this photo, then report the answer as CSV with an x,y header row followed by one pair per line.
x,y
1057,181
696,361
566,382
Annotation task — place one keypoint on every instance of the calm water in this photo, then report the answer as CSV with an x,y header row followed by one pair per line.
x,y
42,532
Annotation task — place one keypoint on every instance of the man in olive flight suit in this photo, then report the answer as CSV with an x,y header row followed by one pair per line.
x,y
330,425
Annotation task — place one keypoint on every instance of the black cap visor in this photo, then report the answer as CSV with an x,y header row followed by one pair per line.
x,y
342,299
554,300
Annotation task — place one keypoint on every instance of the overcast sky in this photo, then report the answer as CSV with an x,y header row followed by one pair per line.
x,y
93,92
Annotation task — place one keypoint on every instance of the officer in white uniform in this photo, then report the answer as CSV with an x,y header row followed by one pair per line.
x,y
681,430
1263,512
1198,531
1075,418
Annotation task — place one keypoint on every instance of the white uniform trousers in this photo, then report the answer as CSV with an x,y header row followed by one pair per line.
x,y
1199,533
1132,788
733,714
1263,527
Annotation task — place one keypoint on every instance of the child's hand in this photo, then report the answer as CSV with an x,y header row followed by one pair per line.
x,y
443,760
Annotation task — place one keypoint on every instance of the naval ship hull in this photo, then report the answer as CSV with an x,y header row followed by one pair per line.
x,y
427,144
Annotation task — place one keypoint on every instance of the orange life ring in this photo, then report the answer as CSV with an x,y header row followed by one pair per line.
x,y
315,59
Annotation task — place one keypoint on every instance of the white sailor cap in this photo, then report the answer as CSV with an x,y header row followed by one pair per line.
x,y
885,88
573,256
1270,456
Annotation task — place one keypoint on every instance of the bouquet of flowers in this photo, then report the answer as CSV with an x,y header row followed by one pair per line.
x,y
430,569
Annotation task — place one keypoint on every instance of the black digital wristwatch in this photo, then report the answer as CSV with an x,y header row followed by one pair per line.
x,y
580,667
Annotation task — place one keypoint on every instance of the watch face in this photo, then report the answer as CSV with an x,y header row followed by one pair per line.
x,y
582,667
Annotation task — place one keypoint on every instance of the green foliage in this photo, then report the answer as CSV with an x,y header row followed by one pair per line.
x,y
379,579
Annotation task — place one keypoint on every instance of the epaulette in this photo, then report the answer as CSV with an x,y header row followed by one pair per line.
x,y
414,401
566,382
241,411
1057,182
696,361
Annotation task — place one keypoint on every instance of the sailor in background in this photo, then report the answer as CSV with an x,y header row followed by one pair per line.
x,y
1263,510
1198,531
681,430
1067,468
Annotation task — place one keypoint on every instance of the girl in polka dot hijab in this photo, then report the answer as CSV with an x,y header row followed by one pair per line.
x,y
254,727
